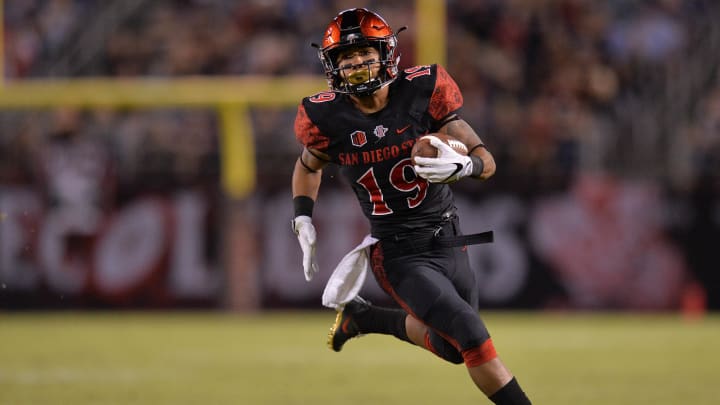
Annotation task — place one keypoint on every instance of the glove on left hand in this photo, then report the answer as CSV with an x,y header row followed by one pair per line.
x,y
448,167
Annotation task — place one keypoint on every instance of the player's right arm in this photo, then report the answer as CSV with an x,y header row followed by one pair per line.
x,y
305,185
307,174
306,179
308,167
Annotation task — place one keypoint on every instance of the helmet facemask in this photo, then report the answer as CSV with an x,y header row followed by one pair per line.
x,y
351,30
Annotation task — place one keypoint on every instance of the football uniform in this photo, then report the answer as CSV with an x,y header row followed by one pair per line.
x,y
373,150
405,211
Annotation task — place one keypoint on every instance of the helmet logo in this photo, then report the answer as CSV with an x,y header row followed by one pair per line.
x,y
358,138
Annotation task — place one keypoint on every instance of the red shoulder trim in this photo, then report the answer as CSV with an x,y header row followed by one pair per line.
x,y
446,97
307,133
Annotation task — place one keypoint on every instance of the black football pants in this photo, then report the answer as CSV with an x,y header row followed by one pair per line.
x,y
438,287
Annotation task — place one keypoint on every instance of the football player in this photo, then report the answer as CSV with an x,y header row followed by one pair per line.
x,y
367,124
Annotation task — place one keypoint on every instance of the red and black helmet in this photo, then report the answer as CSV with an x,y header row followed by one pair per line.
x,y
357,27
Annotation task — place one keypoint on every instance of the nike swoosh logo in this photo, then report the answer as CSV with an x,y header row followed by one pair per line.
x,y
401,130
458,167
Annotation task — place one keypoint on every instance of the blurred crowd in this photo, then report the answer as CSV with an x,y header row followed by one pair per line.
x,y
554,86
107,157
625,87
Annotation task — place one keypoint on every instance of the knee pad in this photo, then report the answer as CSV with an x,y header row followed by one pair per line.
x,y
467,330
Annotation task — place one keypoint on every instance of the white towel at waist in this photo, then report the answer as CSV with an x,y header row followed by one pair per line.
x,y
349,275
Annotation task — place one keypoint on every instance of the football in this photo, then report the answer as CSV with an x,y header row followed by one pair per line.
x,y
424,148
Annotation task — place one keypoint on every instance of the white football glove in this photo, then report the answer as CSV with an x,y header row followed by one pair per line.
x,y
305,231
448,167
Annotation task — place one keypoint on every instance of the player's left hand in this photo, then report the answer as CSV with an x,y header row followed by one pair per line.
x,y
448,167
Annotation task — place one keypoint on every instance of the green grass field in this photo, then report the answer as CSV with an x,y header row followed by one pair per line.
x,y
281,358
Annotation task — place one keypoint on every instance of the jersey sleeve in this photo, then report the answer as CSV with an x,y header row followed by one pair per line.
x,y
446,97
307,133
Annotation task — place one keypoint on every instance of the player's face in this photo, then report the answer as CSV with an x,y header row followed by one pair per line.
x,y
358,65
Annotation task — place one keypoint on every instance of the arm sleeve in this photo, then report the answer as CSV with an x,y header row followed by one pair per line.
x,y
446,97
307,133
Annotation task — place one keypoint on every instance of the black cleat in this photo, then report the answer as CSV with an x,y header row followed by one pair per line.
x,y
345,328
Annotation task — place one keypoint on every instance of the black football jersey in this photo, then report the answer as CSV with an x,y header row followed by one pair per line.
x,y
373,150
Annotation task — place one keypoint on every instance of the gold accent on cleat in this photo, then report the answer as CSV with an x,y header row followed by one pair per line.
x,y
334,329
